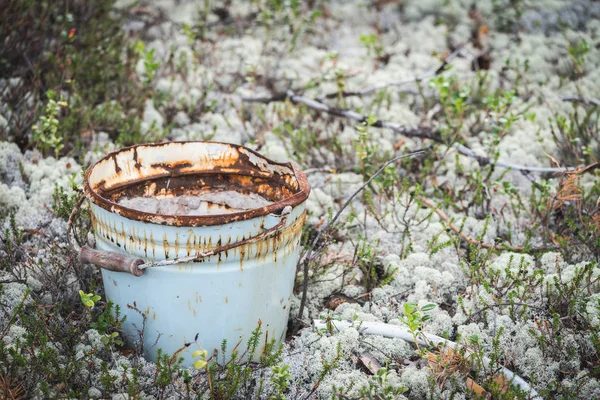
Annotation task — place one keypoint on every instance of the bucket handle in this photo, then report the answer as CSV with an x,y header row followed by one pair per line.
x,y
119,262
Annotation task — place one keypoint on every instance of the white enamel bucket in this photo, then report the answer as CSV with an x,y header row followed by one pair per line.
x,y
233,256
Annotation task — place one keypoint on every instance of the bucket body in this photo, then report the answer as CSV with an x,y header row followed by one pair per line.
x,y
221,297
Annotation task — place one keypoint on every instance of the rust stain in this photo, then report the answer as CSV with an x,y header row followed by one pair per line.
x,y
133,238
189,246
166,246
242,254
117,168
226,299
233,167
153,246
137,164
176,249
172,167
145,244
286,240
123,236
192,309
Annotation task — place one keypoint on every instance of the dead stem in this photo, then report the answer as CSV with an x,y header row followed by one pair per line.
x,y
305,261
421,132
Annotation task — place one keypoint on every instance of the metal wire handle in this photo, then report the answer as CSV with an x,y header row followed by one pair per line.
x,y
119,262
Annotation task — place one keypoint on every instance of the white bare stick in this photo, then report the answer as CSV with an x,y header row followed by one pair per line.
x,y
423,133
581,99
424,339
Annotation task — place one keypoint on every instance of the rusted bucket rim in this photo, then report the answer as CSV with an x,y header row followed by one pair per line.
x,y
248,162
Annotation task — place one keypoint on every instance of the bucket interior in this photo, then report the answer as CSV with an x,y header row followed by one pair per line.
x,y
191,181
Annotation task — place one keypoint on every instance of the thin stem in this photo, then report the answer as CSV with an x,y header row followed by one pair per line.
x,y
313,243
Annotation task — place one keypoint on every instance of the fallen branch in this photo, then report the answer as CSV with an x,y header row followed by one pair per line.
x,y
423,339
483,161
416,79
581,99
422,133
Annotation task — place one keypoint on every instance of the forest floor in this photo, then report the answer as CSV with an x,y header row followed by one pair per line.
x,y
489,238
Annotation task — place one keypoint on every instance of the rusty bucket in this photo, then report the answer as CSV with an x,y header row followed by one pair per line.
x,y
197,241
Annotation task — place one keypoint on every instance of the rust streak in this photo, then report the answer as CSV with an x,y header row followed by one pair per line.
x,y
233,167
176,244
137,164
117,168
153,246
166,246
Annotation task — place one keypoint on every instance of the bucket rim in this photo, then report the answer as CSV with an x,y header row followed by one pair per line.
x,y
197,220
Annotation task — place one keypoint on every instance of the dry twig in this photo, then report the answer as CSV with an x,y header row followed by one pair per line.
x,y
422,133
581,99
305,261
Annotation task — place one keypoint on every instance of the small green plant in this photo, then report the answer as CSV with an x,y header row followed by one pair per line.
x,y
201,362
374,273
328,367
367,152
281,380
380,386
108,323
12,239
454,102
578,51
231,373
167,367
150,64
293,15
372,44
413,317
88,299
46,134
110,339
64,203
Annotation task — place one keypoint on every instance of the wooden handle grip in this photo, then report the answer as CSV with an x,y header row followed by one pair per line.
x,y
111,260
